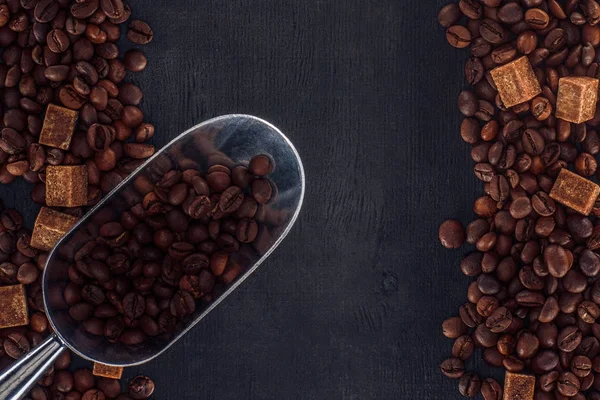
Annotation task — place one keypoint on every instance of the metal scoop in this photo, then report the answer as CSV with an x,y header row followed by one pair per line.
x,y
228,140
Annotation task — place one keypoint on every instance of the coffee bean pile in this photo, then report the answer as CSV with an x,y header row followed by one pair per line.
x,y
20,263
534,302
176,245
81,384
64,52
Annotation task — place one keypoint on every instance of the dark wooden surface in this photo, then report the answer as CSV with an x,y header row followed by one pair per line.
x,y
350,305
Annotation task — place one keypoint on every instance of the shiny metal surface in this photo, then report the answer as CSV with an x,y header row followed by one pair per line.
x,y
230,140
17,380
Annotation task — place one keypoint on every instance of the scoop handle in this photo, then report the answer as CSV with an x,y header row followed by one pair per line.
x,y
18,379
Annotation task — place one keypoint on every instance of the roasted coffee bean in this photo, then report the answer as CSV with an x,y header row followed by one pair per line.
x,y
543,204
581,366
83,380
506,344
57,41
453,327
491,389
588,312
469,385
458,36
46,10
499,320
449,15
585,164
492,31
574,281
533,142
527,345
262,191
16,345
141,387
112,8
133,305
547,382
520,208
493,357
499,188
568,384
453,368
537,18
569,338
544,361
135,60
463,347
139,32
484,336
84,9
558,260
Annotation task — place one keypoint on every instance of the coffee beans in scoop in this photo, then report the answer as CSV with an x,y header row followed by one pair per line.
x,y
531,121
173,250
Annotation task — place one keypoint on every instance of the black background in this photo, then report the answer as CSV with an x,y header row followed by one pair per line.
x,y
350,305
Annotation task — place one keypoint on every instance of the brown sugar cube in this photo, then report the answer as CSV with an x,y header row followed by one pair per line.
x,y
13,306
516,82
66,186
575,192
107,371
518,386
58,128
49,227
577,97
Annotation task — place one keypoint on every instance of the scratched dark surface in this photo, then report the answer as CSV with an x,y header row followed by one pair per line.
x,y
350,305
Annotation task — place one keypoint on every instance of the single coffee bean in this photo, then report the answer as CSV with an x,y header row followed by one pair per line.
x,y
537,18
469,385
533,142
46,10
463,347
16,345
558,260
492,31
453,368
133,305
261,165
453,328
458,36
569,338
262,190
471,264
112,9
544,361
499,320
568,384
493,357
543,204
527,345
135,60
449,15
139,32
588,312
585,164
141,387
581,366
520,208
84,9
491,389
